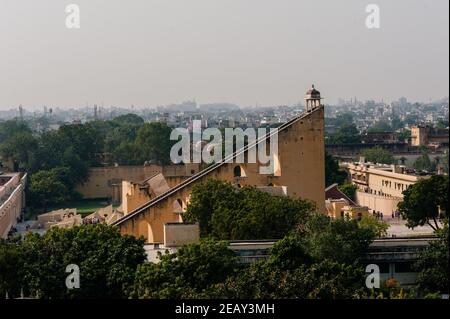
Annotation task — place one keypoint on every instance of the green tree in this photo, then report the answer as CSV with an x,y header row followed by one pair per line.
x,y
347,134
127,153
321,237
340,240
12,127
422,201
333,174
122,133
154,141
423,162
378,227
325,280
76,147
349,190
444,161
380,127
87,141
47,187
404,135
21,148
188,273
340,120
289,253
10,259
128,119
396,123
442,124
290,272
378,155
226,212
107,262
432,264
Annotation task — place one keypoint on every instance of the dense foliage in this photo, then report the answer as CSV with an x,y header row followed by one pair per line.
x,y
332,172
190,272
346,134
321,258
36,265
302,265
226,212
377,226
433,265
424,162
378,155
74,148
349,190
424,201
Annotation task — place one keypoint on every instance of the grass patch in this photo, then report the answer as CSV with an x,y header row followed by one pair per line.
x,y
87,206
84,207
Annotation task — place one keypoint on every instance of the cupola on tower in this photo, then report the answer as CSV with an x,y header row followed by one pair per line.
x,y
312,98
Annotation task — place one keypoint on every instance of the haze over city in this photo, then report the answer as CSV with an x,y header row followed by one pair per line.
x,y
254,52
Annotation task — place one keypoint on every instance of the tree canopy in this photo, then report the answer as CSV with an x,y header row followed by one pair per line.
x,y
226,212
125,140
346,134
423,200
433,264
190,272
378,155
380,127
333,174
423,162
349,190
107,261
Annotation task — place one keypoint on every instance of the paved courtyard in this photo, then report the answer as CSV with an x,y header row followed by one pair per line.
x,y
397,228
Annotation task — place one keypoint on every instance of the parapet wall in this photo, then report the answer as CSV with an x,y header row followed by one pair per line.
x,y
384,204
102,180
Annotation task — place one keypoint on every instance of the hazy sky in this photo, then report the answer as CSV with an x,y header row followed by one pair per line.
x,y
265,52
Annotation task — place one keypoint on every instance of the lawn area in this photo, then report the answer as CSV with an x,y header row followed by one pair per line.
x,y
84,207
87,206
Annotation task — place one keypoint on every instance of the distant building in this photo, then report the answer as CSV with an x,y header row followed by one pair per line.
x,y
379,137
269,120
380,187
12,201
426,135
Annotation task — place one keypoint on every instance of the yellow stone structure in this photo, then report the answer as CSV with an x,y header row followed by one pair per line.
x,y
299,169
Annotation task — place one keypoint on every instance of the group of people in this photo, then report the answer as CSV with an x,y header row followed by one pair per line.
x,y
396,214
379,215
93,220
